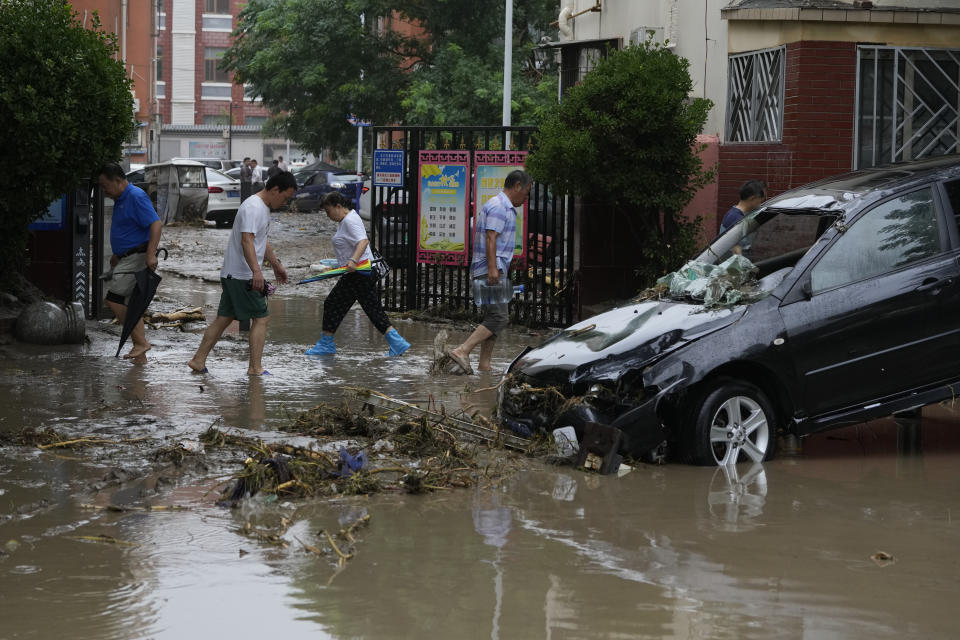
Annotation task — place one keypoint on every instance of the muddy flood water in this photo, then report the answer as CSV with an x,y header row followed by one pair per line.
x,y
856,536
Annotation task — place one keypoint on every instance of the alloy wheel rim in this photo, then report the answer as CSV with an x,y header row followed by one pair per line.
x,y
739,426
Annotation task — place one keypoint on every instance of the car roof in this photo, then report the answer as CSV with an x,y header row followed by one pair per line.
x,y
323,166
891,175
836,191
178,162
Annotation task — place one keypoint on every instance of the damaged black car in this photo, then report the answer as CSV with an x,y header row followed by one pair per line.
x,y
834,303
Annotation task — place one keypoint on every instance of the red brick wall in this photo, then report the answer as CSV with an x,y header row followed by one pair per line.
x,y
204,39
818,120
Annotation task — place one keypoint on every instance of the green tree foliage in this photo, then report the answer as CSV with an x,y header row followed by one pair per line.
x,y
625,138
313,62
65,108
460,76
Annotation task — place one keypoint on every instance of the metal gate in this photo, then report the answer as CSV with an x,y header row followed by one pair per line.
x,y
548,278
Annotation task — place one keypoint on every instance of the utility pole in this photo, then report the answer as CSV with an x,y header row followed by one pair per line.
x,y
507,68
230,134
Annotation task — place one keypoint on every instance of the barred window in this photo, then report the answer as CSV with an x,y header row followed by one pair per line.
x,y
908,104
755,96
217,6
211,65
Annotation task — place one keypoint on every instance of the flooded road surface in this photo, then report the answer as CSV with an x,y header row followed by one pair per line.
x,y
855,537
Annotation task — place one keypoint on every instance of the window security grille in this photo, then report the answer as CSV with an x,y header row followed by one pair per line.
x,y
755,96
908,104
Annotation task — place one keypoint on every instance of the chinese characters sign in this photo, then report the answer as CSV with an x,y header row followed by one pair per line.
x,y
388,167
492,170
442,223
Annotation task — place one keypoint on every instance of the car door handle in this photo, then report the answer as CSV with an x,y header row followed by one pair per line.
x,y
934,284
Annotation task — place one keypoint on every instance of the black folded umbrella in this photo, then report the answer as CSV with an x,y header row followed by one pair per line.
x,y
143,292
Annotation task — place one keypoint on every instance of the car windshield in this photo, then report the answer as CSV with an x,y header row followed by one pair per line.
x,y
345,177
749,261
771,238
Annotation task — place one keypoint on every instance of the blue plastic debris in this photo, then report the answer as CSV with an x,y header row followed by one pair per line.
x,y
347,463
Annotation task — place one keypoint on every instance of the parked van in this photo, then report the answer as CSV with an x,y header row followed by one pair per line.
x,y
178,189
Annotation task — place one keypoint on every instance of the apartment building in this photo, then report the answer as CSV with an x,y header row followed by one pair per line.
x,y
133,24
202,112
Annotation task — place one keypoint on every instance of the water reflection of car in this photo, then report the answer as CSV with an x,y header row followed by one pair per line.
x,y
223,199
854,318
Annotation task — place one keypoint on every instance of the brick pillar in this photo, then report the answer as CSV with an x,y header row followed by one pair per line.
x,y
818,119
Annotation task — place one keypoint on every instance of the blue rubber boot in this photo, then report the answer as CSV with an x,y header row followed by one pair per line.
x,y
397,344
324,347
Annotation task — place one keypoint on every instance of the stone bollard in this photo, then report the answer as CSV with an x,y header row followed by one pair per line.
x,y
46,323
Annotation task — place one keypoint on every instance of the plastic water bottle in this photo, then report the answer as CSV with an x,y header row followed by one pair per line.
x,y
499,293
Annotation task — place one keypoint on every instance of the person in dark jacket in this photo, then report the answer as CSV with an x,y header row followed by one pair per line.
x,y
274,170
752,195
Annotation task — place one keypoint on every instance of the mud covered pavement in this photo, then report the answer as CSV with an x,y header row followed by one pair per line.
x,y
122,536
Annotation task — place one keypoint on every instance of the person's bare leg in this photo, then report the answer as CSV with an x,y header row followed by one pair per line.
x,y
140,344
138,335
199,361
258,337
479,334
486,354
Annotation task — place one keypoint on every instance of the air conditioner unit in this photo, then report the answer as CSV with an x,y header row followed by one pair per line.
x,y
642,34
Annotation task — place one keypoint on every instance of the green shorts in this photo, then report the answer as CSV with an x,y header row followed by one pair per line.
x,y
237,301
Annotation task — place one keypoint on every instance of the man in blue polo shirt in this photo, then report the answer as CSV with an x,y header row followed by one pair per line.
x,y
134,236
494,238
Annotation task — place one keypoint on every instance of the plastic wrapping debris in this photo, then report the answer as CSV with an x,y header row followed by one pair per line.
x,y
729,283
348,464
566,441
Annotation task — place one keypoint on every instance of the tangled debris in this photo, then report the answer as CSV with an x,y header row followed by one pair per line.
x,y
51,439
392,446
370,443
732,282
158,320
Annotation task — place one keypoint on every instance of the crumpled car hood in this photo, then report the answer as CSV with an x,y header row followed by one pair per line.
x,y
633,335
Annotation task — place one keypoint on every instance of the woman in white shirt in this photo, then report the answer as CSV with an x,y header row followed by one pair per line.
x,y
352,247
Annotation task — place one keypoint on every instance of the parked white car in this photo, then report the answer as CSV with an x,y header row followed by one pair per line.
x,y
223,199
215,163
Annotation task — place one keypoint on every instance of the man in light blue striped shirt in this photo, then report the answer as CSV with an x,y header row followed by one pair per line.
x,y
495,232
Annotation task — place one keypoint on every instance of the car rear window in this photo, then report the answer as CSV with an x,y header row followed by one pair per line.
x,y
191,176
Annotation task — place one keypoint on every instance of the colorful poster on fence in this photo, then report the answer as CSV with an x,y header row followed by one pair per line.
x,y
492,169
444,198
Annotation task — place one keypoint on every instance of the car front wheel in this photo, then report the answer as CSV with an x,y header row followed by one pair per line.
x,y
734,421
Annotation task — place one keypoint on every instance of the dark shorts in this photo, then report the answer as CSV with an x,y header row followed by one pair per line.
x,y
496,317
236,301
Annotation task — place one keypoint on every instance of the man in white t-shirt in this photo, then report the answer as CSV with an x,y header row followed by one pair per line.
x,y
244,291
